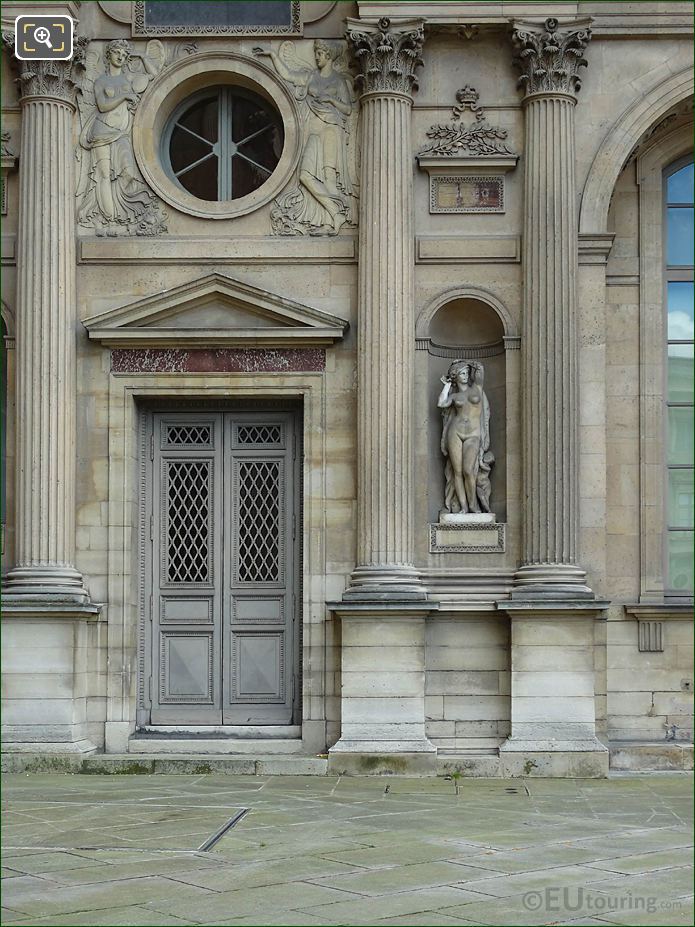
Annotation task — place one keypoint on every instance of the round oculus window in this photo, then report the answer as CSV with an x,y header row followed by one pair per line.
x,y
223,143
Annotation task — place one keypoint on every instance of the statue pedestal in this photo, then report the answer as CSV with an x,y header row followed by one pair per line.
x,y
477,533
470,518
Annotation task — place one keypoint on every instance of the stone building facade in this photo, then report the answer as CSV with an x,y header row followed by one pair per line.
x,y
253,505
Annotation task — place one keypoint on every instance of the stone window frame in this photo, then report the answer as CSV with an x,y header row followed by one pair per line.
x,y
183,80
225,128
651,164
678,273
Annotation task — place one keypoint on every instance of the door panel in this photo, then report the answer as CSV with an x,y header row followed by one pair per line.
x,y
223,567
259,658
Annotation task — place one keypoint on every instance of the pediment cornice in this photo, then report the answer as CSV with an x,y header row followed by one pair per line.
x,y
250,317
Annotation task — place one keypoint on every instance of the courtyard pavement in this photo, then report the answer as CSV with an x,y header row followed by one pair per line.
x,y
121,850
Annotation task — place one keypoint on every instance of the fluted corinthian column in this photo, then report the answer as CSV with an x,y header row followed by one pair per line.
x,y
46,319
386,61
549,61
383,612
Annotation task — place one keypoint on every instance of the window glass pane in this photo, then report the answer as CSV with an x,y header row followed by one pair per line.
x,y
681,499
680,237
680,311
185,150
680,560
201,118
679,186
680,435
680,372
201,181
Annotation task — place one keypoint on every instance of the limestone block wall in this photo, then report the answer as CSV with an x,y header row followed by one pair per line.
x,y
467,680
650,694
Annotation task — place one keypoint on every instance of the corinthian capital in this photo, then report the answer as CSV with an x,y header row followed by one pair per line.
x,y
387,59
52,79
549,60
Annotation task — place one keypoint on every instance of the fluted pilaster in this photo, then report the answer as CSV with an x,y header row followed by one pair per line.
x,y
46,320
549,62
385,312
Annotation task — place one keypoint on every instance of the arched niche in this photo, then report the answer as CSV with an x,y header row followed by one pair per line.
x,y
470,324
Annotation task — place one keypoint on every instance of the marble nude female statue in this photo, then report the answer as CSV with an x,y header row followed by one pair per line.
x,y
327,199
466,438
111,195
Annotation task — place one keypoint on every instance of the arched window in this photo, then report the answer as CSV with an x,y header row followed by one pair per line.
x,y
678,394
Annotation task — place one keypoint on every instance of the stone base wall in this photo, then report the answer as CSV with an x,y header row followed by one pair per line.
x,y
467,681
650,693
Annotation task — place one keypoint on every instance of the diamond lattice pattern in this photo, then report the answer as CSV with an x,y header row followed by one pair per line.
x,y
259,521
188,434
259,434
188,526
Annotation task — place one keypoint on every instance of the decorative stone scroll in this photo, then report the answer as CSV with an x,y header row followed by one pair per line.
x,y
467,539
460,157
324,199
387,60
550,60
467,136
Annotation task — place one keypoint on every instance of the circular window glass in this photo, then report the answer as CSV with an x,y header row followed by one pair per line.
x,y
223,143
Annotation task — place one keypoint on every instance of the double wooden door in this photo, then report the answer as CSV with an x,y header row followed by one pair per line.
x,y
222,568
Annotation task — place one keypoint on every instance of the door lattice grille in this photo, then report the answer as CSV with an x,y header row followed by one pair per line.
x,y
188,501
259,521
259,434
188,434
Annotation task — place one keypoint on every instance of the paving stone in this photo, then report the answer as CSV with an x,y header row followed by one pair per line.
x,y
367,910
401,878
133,916
48,900
252,901
336,852
224,878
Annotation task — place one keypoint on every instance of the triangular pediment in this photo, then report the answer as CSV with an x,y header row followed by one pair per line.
x,y
214,311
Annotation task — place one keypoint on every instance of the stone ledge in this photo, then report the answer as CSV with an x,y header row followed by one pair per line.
x,y
185,765
645,756
412,765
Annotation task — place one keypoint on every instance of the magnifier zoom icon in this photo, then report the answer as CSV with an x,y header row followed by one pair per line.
x,y
41,34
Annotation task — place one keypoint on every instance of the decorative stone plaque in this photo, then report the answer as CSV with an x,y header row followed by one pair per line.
x,y
467,539
466,194
272,17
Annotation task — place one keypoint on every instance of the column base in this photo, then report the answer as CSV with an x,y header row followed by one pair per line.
x,y
44,583
561,759
384,582
556,581
380,758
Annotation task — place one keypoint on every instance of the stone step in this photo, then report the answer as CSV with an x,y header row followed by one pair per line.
x,y
164,744
184,764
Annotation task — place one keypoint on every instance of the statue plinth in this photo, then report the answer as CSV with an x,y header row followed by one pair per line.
x,y
467,518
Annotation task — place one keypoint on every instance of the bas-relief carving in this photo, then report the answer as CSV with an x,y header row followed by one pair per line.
x,y
112,198
470,134
549,60
465,441
324,201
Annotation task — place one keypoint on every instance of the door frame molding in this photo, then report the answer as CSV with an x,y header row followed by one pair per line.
x,y
127,394
148,413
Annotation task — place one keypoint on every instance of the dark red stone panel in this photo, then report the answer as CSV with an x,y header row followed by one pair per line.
x,y
218,360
